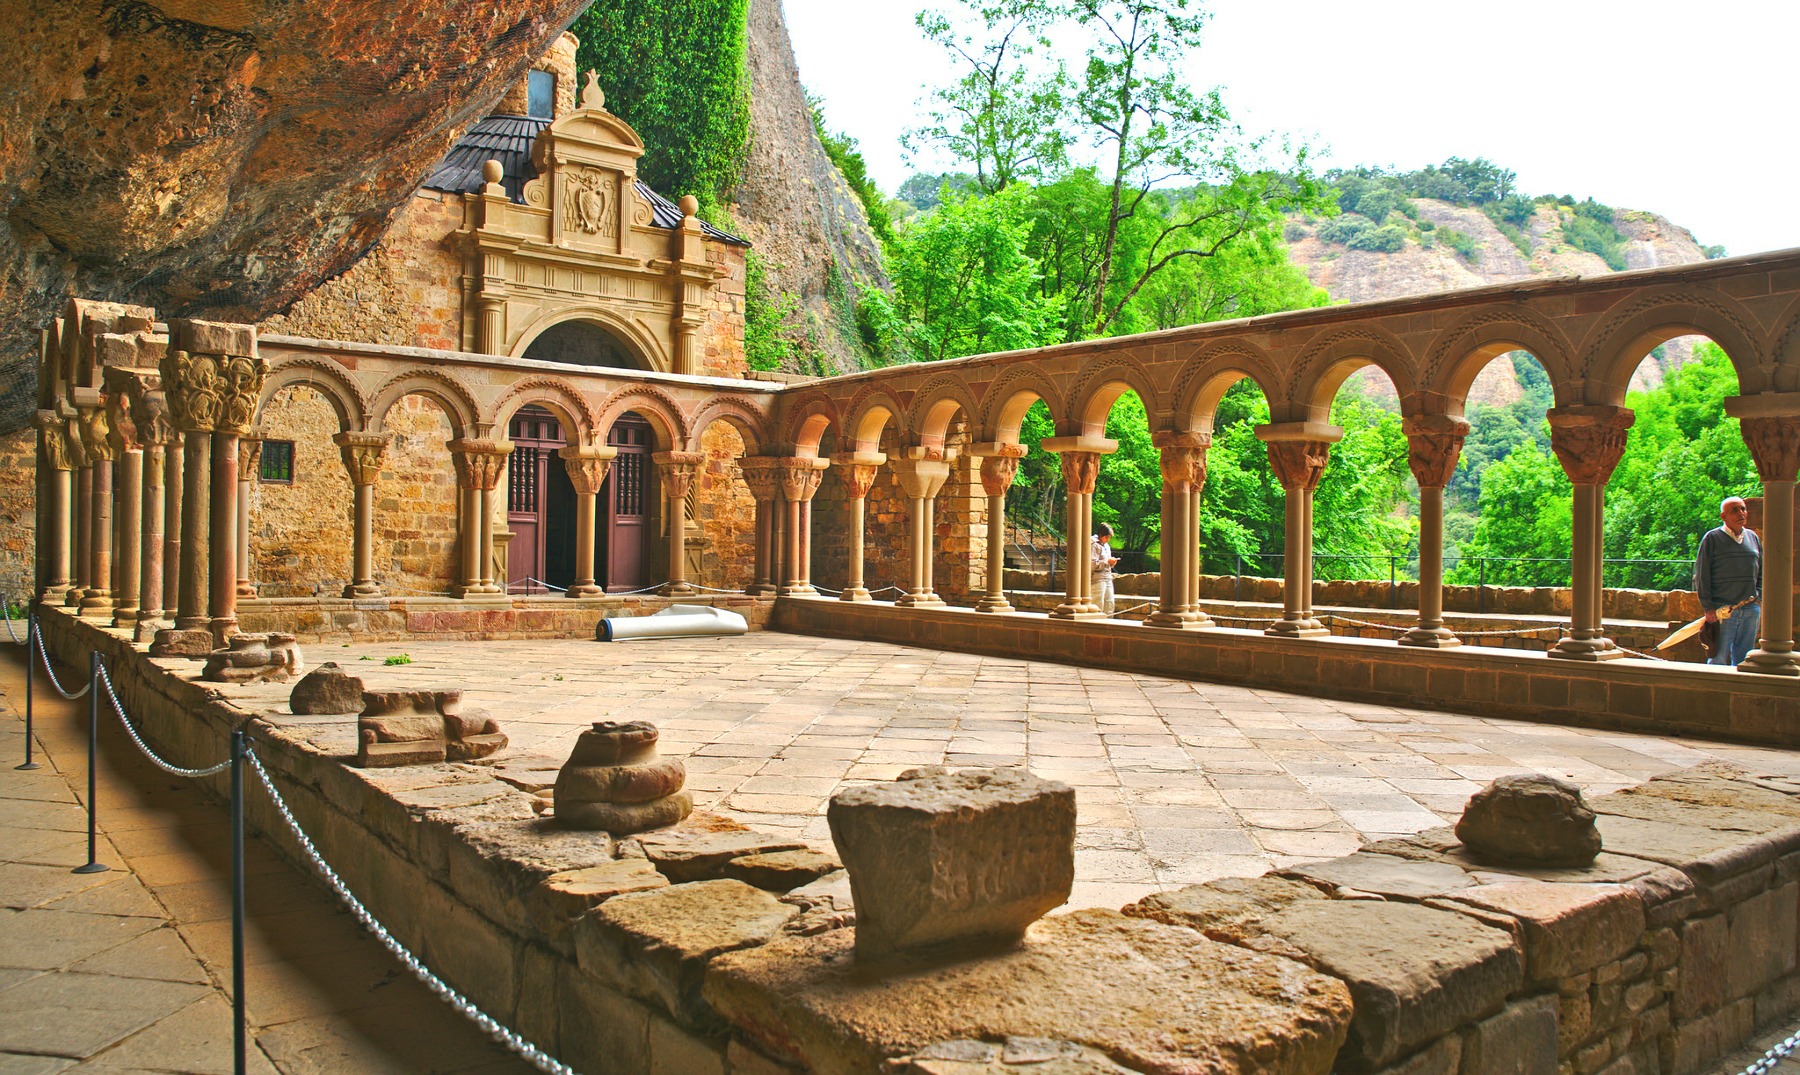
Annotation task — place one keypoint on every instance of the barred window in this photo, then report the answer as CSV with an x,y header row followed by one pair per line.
x,y
278,462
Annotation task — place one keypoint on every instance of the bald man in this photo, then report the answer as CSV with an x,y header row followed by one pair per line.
x,y
1728,578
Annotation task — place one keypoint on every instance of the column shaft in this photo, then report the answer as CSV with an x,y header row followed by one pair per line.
x,y
150,550
790,553
1774,653
195,531
245,587
173,460
363,555
1431,630
584,545
995,599
84,536
57,515
130,535
98,599
855,587
222,608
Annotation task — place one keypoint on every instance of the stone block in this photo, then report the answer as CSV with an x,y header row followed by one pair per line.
x,y
1015,1056
1760,947
684,855
1566,929
421,727
781,871
327,689
655,945
1153,997
171,642
1441,1057
1519,1041
212,337
1228,909
1530,819
940,858
615,781
1385,875
1702,974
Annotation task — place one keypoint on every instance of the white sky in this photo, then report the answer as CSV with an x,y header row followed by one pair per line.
x,y
1684,109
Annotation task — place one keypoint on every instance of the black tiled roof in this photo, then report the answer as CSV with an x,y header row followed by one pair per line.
x,y
508,140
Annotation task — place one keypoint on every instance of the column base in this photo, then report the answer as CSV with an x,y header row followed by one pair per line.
x,y
1771,663
585,589
1430,638
919,600
1298,627
124,617
180,642
764,589
678,589
798,589
72,597
147,630
856,593
364,589
1081,611
479,596
96,603
1586,649
1180,621
55,595
246,589
222,629
993,603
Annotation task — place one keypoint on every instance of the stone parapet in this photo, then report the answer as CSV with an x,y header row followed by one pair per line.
x,y
320,619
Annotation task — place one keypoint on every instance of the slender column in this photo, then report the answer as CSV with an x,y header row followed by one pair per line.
x,y
999,466
150,548
468,534
1771,429
1298,453
922,473
800,477
172,524
587,472
222,608
196,494
479,467
84,524
1434,443
857,471
1588,441
761,477
1080,460
128,523
678,470
362,454
249,471
96,439
53,540
1183,462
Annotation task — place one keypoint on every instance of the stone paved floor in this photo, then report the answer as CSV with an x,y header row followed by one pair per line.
x,y
124,971
1177,782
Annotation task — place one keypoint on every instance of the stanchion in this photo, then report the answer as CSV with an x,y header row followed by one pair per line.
x,y
93,864
239,1044
30,674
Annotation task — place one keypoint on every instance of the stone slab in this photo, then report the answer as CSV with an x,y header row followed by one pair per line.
x,y
1566,929
685,855
1385,875
783,871
1159,999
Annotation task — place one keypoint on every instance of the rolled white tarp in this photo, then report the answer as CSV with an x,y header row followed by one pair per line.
x,y
676,621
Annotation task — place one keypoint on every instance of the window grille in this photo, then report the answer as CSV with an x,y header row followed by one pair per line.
x,y
277,462
522,495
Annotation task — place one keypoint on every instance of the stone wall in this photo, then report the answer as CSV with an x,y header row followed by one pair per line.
x,y
725,513
1406,958
18,514
301,532
338,619
721,334
416,539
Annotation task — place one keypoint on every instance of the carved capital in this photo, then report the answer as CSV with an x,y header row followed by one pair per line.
x,y
1183,457
1299,464
997,473
760,476
1774,443
858,478
479,462
800,478
1433,445
1080,470
586,468
920,479
250,455
53,435
363,454
1588,440
96,435
678,470
213,393
123,432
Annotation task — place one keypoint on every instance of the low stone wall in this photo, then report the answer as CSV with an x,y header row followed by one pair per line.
x,y
649,955
1674,605
1660,697
319,619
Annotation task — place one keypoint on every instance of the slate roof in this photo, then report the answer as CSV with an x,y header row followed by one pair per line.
x,y
508,139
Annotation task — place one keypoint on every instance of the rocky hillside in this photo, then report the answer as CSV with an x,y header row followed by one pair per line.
x,y
805,222
1428,263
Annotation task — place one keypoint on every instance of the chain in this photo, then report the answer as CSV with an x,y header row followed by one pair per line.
x,y
6,608
44,658
174,770
1774,1056
489,1025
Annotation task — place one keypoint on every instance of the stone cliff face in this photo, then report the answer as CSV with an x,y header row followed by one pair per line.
x,y
1419,269
222,160
803,220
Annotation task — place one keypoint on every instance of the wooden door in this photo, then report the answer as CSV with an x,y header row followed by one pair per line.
x,y
626,497
536,436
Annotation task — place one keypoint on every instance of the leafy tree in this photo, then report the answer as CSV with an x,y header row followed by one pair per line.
x,y
1526,512
921,189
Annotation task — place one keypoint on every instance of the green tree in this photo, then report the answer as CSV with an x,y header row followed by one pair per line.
x,y
1525,524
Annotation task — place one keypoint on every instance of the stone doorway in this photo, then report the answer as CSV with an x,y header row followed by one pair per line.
x,y
623,556
540,506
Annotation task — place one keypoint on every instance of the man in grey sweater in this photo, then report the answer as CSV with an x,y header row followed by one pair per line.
x,y
1728,578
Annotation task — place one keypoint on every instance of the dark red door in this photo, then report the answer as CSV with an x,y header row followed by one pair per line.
x,y
536,436
626,497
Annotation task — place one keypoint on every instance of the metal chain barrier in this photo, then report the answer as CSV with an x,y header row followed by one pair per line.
x,y
167,767
489,1025
6,609
44,659
1774,1056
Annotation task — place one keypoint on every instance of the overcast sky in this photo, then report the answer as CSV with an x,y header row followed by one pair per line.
x,y
1685,109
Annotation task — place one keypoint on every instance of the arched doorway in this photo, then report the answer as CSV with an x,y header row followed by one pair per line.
x,y
583,343
625,501
540,507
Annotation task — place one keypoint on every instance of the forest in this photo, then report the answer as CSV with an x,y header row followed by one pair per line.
x,y
1097,193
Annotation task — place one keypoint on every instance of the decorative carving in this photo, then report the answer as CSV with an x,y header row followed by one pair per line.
x,y
479,462
254,659
1299,464
96,440
54,436
858,478
1588,440
1080,470
1183,458
122,437
593,99
590,196
249,457
997,473
677,472
1433,445
422,728
213,393
614,781
760,476
1774,443
362,453
587,472
800,479
150,410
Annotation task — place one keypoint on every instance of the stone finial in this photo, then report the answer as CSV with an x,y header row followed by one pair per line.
x,y
939,859
249,658
592,97
614,781
689,204
422,728
327,689
1529,819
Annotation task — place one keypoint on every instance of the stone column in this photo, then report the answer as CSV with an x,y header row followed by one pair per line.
x,y
763,481
1298,452
82,515
173,461
150,601
196,465
800,477
96,441
587,472
1771,428
922,473
249,472
1080,461
479,465
857,471
54,539
1183,462
128,518
1434,443
677,471
999,466
1588,441
362,454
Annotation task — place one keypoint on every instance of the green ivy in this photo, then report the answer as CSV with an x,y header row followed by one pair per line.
x,y
675,70
768,342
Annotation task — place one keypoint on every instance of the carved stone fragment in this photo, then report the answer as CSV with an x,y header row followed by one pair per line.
x,y
327,689
940,858
173,642
1530,819
254,658
614,781
422,728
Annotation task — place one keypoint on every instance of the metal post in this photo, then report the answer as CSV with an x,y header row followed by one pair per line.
x,y
1481,584
239,1044
1393,590
1237,592
93,864
30,670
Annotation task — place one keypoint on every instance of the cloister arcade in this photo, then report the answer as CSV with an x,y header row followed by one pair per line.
x,y
146,431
